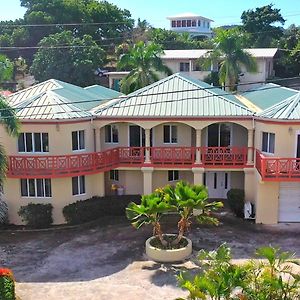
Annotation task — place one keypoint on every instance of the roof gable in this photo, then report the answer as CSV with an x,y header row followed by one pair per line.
x,y
54,99
175,96
288,109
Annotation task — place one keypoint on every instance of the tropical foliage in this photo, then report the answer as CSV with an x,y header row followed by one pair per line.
x,y
73,62
228,52
145,64
182,199
7,285
269,277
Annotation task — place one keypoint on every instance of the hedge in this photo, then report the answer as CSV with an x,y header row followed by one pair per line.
x,y
91,209
236,201
7,285
36,215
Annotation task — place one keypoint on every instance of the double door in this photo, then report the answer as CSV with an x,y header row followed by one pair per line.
x,y
218,184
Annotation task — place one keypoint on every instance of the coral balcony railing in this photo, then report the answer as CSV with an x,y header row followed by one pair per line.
x,y
277,168
224,156
24,166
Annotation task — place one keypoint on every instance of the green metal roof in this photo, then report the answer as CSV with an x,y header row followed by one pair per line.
x,y
54,99
288,109
268,95
175,96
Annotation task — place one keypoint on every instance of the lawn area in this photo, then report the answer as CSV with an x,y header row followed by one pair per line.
x,y
106,260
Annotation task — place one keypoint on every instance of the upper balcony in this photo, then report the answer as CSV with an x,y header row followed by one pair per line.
x,y
162,157
278,168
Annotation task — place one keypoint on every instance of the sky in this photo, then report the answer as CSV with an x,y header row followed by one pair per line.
x,y
155,11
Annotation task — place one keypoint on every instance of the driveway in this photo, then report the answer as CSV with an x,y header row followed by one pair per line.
x,y
106,260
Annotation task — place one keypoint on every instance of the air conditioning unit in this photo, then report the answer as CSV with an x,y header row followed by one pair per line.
x,y
249,211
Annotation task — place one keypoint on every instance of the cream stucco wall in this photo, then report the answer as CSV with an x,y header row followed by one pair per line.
x,y
130,180
285,137
160,178
266,200
237,180
61,195
60,137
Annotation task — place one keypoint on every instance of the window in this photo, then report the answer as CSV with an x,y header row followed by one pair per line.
x,y
184,67
78,140
219,135
178,24
268,142
173,175
33,142
199,23
78,185
170,134
183,23
194,23
36,188
188,23
173,24
114,175
111,134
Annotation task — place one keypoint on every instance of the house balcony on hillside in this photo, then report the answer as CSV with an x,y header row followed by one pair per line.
x,y
97,162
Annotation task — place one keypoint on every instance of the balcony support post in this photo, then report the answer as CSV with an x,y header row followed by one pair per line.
x,y
198,147
198,175
147,144
147,175
250,146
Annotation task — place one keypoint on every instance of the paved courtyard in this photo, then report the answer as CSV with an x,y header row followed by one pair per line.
x,y
106,260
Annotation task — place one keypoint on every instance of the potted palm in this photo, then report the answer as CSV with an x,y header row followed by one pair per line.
x,y
182,199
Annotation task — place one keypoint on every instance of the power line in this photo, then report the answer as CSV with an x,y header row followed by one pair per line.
x,y
17,109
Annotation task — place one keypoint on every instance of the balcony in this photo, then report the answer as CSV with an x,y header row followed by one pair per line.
x,y
277,169
24,166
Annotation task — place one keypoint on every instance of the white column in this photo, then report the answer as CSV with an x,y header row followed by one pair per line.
x,y
250,146
147,144
147,174
198,145
191,66
198,175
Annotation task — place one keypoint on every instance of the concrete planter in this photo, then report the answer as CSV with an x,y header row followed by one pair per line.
x,y
161,255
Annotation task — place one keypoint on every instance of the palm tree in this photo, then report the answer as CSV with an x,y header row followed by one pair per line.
x,y
145,64
149,211
10,122
228,51
186,198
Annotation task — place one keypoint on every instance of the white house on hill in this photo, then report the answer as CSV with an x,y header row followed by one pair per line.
x,y
191,23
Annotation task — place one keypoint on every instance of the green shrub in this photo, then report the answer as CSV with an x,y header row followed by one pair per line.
x,y
7,285
3,212
236,201
272,277
91,209
37,215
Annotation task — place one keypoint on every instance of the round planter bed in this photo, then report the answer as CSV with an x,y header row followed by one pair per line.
x,y
168,255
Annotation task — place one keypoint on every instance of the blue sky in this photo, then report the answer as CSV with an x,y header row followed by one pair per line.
x,y
155,11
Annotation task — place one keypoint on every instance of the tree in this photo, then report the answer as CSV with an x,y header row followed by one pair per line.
x,y
228,51
66,58
260,24
6,69
149,211
172,40
144,62
7,116
186,198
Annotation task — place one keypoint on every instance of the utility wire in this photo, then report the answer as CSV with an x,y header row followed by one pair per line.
x,y
118,100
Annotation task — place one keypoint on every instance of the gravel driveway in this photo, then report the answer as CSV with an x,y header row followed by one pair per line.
x,y
106,260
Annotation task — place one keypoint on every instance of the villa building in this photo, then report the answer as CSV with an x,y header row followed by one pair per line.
x,y
186,62
194,25
76,143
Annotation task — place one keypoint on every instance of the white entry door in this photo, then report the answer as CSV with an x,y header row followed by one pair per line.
x,y
218,184
289,202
